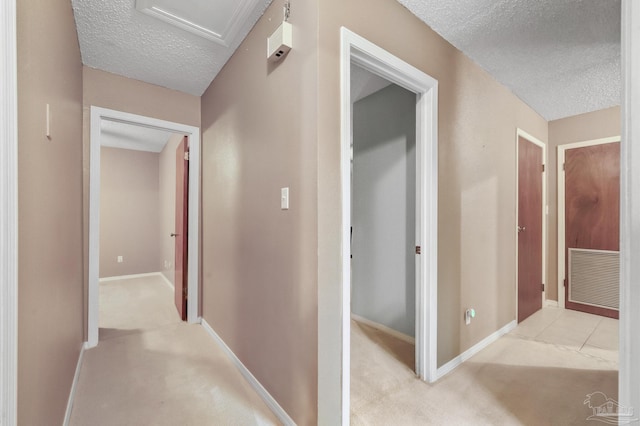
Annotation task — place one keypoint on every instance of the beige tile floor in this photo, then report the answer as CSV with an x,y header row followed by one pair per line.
x,y
588,334
150,368
539,374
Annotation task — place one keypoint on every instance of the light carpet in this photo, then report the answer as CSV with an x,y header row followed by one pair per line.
x,y
150,368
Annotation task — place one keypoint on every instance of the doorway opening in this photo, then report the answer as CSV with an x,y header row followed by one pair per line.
x,y
383,232
423,88
101,117
531,230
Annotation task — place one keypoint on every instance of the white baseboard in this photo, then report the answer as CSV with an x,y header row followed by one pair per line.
x,y
255,384
128,277
451,365
167,282
74,384
384,328
551,303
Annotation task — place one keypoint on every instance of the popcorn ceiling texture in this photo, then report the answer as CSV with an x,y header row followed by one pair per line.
x,y
561,57
117,38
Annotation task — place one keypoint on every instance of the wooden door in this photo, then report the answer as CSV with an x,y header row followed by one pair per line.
x,y
182,226
592,207
530,169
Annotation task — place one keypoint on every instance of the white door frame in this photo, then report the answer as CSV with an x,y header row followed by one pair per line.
x,y
355,49
97,115
629,369
8,215
561,206
538,142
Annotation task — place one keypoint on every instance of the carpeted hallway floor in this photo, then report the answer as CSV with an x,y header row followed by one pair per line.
x,y
150,368
539,374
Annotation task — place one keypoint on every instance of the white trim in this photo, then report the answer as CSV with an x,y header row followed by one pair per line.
x,y
629,368
561,207
455,362
74,385
545,242
132,276
150,274
355,49
255,384
167,282
8,215
97,115
388,330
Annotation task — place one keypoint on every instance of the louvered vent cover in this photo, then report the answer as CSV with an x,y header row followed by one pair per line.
x,y
594,277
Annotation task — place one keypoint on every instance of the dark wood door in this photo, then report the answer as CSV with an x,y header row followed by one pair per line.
x,y
182,226
592,207
529,228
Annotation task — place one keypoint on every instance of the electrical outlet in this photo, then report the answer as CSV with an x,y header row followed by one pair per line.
x,y
120,259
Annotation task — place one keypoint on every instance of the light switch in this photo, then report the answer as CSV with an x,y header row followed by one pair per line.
x,y
284,198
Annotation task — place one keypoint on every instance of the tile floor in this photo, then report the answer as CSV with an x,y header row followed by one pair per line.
x,y
589,334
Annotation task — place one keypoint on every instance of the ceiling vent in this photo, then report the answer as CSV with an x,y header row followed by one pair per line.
x,y
219,21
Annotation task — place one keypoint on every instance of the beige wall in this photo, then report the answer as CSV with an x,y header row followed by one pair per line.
x,y
113,91
50,302
168,207
119,93
584,127
477,127
129,212
259,262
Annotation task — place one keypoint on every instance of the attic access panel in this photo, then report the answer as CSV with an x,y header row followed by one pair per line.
x,y
219,21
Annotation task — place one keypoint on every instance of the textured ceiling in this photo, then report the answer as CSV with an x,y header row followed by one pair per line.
x,y
117,38
128,136
561,57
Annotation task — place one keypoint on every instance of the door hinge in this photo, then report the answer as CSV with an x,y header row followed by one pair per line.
x,y
186,156
563,166
184,292
542,287
418,250
543,168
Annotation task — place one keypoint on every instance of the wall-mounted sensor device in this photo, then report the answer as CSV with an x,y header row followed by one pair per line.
x,y
280,42
468,315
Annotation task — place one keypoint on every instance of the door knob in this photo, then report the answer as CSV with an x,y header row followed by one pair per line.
x,y
174,235
521,228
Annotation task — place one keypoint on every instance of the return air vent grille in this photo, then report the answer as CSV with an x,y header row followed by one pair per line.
x,y
594,277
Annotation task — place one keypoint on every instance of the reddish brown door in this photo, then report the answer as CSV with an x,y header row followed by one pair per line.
x,y
529,228
182,228
592,207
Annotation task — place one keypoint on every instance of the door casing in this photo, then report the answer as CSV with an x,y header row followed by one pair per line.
x,y
522,134
193,133
375,59
561,208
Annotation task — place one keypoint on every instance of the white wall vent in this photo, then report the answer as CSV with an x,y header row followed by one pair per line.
x,y
594,277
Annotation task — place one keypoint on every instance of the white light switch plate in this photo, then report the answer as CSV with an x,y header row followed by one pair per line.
x,y
284,198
